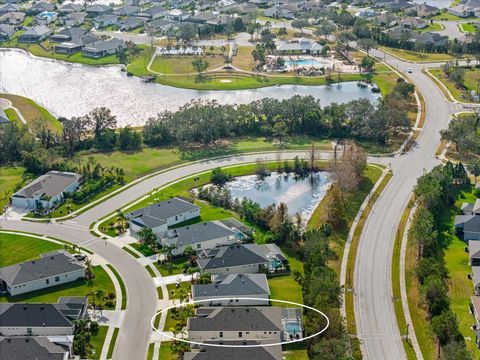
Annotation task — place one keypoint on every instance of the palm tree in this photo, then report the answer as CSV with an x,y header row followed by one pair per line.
x,y
99,296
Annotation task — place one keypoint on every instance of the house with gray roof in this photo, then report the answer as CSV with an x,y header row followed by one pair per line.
x,y
471,208
35,34
474,253
99,49
235,353
280,12
105,20
132,22
468,226
233,259
153,13
127,10
32,347
7,8
41,319
302,46
73,19
49,270
201,236
47,190
413,23
13,18
71,8
235,287
160,216
67,34
97,10
265,324
6,32
41,6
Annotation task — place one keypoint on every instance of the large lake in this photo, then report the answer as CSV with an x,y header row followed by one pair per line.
x,y
73,90
301,195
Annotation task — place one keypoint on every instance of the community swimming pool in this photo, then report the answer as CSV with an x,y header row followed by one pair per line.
x,y
305,62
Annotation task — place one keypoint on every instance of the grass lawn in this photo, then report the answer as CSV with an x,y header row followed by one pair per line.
x,y
432,27
183,64
22,248
174,268
166,352
13,116
446,16
244,59
468,27
97,341
416,56
471,82
10,181
295,355
459,286
172,289
285,288
32,112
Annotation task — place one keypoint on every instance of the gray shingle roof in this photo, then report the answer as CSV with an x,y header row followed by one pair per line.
x,y
230,353
37,31
198,233
30,348
233,285
156,214
232,255
32,315
48,265
50,184
238,319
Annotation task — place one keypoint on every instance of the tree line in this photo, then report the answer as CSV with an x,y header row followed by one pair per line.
x,y
434,192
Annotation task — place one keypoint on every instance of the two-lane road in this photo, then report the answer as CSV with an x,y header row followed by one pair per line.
x,y
375,317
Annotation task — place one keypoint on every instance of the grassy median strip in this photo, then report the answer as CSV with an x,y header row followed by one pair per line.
x,y
150,271
349,303
111,347
122,286
134,254
151,348
397,296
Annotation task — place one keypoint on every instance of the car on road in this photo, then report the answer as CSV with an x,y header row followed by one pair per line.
x,y
409,70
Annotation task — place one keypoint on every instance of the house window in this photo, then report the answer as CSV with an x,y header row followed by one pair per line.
x,y
47,281
221,334
240,334
57,278
176,217
199,246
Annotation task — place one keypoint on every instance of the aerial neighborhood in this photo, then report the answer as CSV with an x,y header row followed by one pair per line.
x,y
239,179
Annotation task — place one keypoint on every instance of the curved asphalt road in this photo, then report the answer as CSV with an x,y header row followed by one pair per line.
x,y
375,317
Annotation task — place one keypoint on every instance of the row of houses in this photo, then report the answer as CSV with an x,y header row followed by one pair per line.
x,y
234,306
40,330
467,225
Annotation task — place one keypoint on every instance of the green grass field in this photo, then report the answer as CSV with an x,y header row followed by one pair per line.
x,y
471,82
22,248
32,112
285,288
416,56
432,27
97,341
183,64
446,16
468,28
10,180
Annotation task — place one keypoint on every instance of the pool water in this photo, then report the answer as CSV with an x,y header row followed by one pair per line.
x,y
304,62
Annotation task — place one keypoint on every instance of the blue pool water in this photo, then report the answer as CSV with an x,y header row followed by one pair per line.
x,y
304,62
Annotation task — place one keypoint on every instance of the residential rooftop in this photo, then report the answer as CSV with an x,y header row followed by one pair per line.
x,y
30,348
49,264
233,285
51,184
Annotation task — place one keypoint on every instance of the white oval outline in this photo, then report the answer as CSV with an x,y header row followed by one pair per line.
x,y
164,333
